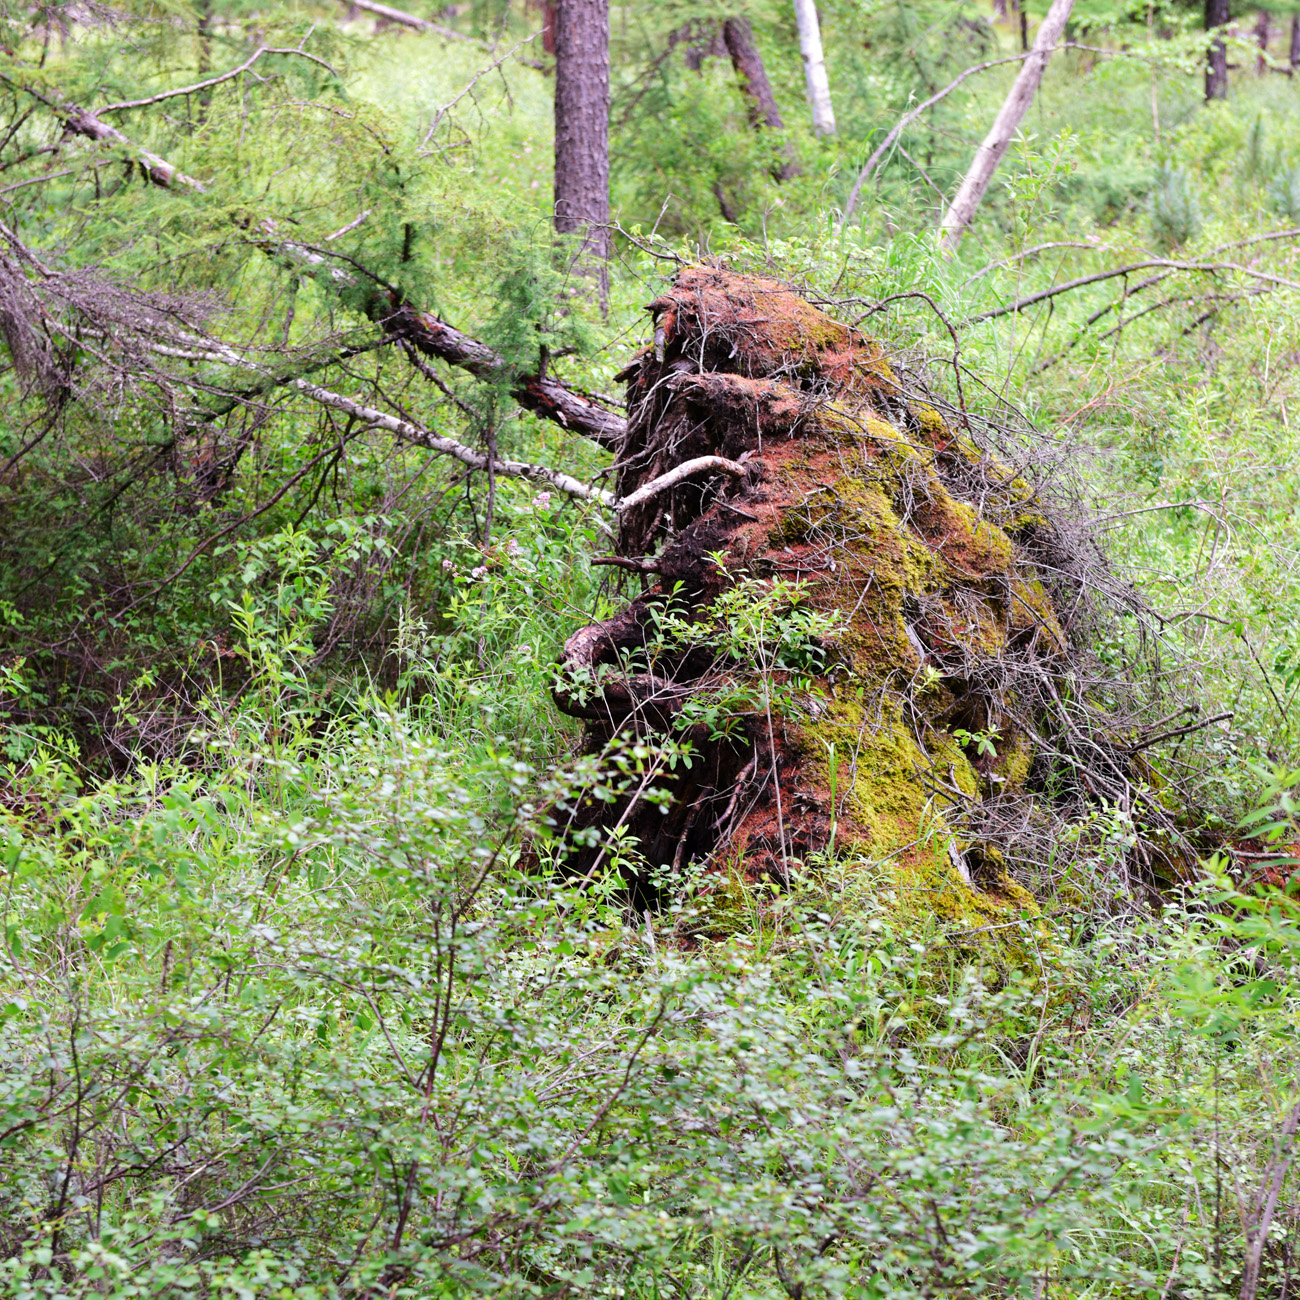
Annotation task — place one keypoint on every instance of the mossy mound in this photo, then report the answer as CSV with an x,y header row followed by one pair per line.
x,y
928,711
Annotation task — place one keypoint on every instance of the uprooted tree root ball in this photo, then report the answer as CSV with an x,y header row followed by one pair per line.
x,y
876,632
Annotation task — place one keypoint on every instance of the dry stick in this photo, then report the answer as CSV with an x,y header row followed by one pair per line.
x,y
1266,1205
478,76
687,469
1268,681
1209,267
903,123
995,144
1179,731
952,334
1031,252
421,437
401,17
1181,299
211,81
83,122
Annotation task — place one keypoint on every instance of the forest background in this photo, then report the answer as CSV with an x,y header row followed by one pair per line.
x,y
290,1002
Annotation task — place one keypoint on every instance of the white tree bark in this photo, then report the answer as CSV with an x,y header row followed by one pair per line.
x,y
989,154
814,66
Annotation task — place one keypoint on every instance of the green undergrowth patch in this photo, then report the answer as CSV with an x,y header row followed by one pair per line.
x,y
339,967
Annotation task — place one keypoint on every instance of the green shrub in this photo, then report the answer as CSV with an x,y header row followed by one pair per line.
x,y
1175,213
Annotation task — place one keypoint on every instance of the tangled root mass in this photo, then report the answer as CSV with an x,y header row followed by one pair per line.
x,y
919,685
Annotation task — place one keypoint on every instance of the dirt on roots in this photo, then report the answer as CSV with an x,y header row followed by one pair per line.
x,y
877,636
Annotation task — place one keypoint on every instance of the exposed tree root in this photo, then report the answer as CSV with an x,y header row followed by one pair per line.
x,y
947,715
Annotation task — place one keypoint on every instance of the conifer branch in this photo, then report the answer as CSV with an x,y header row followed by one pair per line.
x,y
536,392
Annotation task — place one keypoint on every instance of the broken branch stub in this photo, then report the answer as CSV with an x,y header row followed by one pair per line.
x,y
863,635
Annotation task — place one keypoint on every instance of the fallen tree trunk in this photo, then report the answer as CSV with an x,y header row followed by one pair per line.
x,y
945,682
535,391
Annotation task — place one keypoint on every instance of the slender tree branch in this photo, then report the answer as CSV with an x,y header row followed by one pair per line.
x,y
544,396
1044,294
688,469
83,122
904,122
211,81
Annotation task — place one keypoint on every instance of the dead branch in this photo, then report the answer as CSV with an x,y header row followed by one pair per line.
x,y
904,122
477,460
211,81
1097,277
688,469
85,123
1179,731
404,19
541,394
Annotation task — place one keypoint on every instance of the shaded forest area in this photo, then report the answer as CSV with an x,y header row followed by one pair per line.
x,y
649,650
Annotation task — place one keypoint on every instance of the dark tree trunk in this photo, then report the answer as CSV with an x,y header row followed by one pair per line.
x,y
1295,43
1024,29
748,63
1216,67
1261,36
548,26
582,124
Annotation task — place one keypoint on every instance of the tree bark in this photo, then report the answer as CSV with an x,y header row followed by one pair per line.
x,y
738,37
1294,61
582,127
1261,36
814,66
990,153
748,63
1216,66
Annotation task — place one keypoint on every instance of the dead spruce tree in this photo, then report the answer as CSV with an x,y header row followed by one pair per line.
x,y
874,633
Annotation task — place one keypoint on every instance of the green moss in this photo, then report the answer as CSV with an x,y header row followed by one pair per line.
x,y
1015,757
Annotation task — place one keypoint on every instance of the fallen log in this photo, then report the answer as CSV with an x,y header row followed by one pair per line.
x,y
535,391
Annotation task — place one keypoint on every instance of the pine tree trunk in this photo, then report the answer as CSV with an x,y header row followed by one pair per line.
x,y
582,126
1294,61
748,63
989,154
814,66
1216,67
1261,36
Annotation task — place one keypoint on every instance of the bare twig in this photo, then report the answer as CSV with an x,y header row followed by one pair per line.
x,y
905,121
1044,294
127,104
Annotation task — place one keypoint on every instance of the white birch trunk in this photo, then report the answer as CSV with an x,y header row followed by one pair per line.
x,y
989,154
814,66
